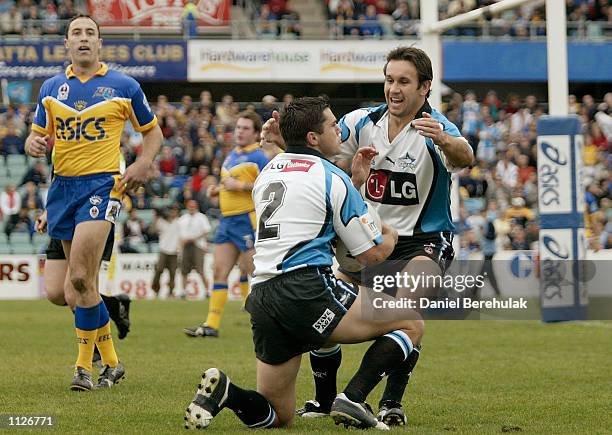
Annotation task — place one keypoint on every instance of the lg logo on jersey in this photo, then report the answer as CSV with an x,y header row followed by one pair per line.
x,y
396,188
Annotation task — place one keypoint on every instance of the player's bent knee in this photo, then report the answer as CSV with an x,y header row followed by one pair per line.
x,y
80,283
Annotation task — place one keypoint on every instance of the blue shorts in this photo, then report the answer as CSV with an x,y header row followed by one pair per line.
x,y
72,200
237,230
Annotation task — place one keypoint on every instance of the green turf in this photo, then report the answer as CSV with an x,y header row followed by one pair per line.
x,y
473,376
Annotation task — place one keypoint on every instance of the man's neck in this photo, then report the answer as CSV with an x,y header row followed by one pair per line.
x,y
85,71
399,122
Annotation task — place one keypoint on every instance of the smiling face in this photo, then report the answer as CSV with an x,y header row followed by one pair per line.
x,y
83,42
403,94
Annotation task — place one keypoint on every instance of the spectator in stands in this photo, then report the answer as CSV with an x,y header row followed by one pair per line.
x,y
37,174
404,22
472,118
11,143
133,233
369,25
11,22
524,170
227,112
197,180
193,227
167,228
345,16
518,213
206,102
266,23
33,19
10,204
31,197
268,105
51,24
291,22
167,162
519,240
506,170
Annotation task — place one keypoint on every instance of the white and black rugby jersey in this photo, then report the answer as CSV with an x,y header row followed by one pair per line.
x,y
302,201
409,181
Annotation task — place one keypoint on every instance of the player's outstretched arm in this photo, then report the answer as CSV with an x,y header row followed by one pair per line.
x,y
36,144
139,172
379,253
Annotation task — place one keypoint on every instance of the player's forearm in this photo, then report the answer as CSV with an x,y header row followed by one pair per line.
x,y
151,144
457,151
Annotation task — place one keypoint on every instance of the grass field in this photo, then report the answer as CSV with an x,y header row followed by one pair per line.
x,y
473,376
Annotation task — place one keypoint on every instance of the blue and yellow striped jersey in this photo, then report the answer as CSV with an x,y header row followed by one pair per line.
x,y
87,118
244,164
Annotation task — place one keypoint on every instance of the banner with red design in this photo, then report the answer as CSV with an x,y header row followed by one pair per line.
x,y
158,14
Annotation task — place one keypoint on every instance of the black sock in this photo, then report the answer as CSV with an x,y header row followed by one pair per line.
x,y
250,407
325,364
112,305
385,354
398,379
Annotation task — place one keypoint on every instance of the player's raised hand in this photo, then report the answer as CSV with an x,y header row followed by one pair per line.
x,y
429,127
270,132
41,222
360,168
37,146
137,174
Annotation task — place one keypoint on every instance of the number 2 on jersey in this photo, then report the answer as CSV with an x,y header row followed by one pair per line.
x,y
274,194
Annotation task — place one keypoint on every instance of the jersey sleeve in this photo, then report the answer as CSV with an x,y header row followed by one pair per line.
x,y
142,117
452,130
351,219
41,123
348,135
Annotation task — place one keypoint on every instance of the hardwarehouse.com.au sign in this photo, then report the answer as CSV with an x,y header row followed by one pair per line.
x,y
142,60
284,61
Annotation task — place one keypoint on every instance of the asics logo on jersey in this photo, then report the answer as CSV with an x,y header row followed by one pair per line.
x,y
76,128
396,188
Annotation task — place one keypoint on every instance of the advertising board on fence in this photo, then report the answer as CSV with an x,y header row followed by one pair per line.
x,y
145,61
19,277
289,61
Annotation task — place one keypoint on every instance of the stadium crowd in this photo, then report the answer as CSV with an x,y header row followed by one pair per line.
x,y
385,18
347,18
499,193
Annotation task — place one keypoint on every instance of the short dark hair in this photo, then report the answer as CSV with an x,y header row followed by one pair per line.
x,y
415,56
76,17
302,116
253,116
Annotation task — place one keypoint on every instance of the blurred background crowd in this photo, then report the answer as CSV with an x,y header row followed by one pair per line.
x,y
288,19
499,194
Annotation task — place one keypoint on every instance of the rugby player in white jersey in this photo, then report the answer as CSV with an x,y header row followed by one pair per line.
x,y
408,184
303,201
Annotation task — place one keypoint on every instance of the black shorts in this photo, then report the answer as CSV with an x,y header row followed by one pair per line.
x,y
437,246
296,312
55,251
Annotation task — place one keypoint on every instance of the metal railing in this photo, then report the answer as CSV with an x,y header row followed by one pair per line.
x,y
384,28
